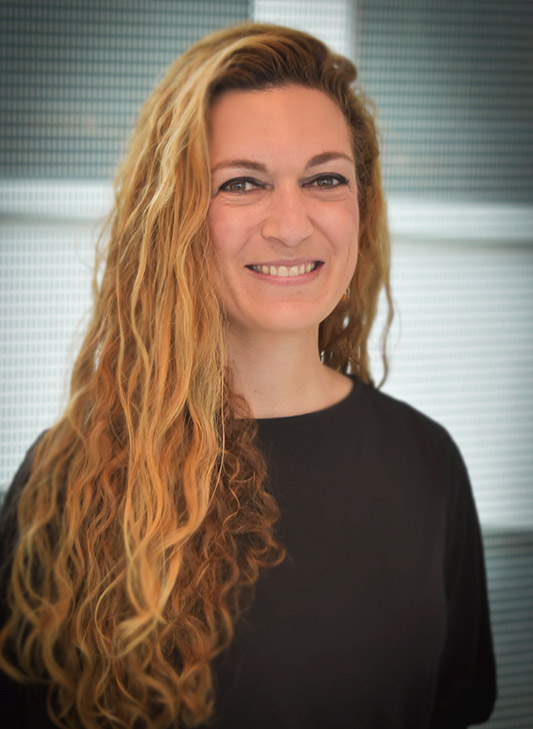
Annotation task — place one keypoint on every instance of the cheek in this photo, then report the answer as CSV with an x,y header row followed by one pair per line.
x,y
225,238
227,233
348,235
217,224
342,228
218,233
353,229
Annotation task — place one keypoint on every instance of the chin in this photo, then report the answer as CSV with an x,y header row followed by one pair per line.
x,y
291,319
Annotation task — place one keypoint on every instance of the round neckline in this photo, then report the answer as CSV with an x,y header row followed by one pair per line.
x,y
331,410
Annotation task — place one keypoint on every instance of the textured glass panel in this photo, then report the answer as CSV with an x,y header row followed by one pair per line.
x,y
453,83
331,21
75,73
45,275
509,557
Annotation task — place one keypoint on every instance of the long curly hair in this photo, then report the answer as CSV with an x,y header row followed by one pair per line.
x,y
145,521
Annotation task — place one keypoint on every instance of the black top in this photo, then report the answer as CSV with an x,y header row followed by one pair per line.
x,y
378,617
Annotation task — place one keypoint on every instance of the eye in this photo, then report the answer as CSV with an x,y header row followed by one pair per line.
x,y
327,181
240,185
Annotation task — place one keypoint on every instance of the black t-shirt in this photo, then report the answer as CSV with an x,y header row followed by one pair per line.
x,y
378,616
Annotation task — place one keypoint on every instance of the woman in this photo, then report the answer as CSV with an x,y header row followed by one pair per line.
x,y
213,432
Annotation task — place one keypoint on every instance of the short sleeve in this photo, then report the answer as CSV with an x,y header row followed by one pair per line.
x,y
466,689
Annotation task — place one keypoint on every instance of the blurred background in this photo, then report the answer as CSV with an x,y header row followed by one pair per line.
x,y
453,85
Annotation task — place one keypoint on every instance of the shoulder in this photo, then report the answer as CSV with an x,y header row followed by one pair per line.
x,y
20,479
8,512
415,449
398,422
421,456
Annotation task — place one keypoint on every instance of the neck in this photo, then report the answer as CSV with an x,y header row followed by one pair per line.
x,y
281,375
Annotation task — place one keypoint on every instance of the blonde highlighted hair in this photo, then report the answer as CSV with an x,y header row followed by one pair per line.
x,y
145,520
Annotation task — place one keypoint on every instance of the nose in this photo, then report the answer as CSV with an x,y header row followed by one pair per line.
x,y
288,218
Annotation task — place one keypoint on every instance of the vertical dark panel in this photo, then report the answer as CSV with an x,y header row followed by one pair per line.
x,y
453,83
75,72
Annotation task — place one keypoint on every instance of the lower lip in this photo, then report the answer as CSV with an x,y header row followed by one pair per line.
x,y
288,280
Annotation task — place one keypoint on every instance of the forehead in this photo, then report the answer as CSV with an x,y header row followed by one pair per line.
x,y
274,121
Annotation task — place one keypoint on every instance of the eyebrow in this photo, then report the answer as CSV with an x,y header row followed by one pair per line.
x,y
249,164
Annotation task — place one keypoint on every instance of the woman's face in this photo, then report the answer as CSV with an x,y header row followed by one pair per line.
x,y
283,216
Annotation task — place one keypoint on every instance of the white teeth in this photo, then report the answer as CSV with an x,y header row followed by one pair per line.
x,y
284,271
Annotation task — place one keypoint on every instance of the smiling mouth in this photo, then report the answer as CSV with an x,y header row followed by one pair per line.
x,y
284,271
